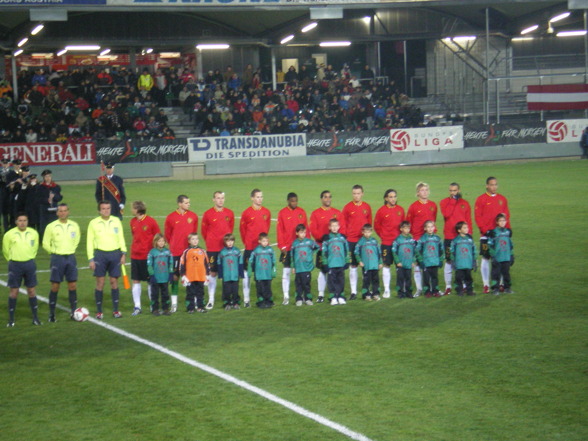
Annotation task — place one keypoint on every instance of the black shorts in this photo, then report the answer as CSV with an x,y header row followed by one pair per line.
x,y
139,270
246,257
354,261
213,260
484,250
63,266
177,265
17,271
107,262
286,258
387,256
447,246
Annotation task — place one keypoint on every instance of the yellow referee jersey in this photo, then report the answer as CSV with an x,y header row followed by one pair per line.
x,y
105,235
20,246
61,237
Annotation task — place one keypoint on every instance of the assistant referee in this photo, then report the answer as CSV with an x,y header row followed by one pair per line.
x,y
20,246
106,253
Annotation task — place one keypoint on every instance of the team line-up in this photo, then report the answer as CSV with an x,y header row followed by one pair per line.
x,y
331,240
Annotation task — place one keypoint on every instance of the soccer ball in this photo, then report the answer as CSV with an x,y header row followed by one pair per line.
x,y
81,314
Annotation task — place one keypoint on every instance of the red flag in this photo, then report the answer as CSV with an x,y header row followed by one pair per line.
x,y
558,97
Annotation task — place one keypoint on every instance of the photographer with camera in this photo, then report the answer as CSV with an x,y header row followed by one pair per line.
x,y
26,200
48,197
454,209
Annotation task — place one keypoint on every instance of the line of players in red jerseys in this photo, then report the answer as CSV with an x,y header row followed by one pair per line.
x,y
220,220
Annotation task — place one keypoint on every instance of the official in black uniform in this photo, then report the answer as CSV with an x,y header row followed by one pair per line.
x,y
110,188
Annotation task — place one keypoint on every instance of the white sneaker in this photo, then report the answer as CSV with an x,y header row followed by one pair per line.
x,y
386,295
417,293
210,305
308,302
298,302
174,307
342,301
286,301
334,301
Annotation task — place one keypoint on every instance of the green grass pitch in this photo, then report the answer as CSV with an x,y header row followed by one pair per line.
x,y
511,367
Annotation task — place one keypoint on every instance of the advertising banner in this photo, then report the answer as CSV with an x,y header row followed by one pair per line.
x,y
565,130
41,153
482,135
426,138
220,148
223,3
51,2
330,143
164,150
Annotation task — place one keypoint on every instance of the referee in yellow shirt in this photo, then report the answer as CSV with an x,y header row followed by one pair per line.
x,y
61,239
106,252
20,246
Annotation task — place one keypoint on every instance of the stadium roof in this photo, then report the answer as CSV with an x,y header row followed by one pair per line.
x,y
175,25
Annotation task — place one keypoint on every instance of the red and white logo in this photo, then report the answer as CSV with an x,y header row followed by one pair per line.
x,y
400,140
557,131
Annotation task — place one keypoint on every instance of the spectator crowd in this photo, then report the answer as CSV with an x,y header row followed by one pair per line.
x,y
118,104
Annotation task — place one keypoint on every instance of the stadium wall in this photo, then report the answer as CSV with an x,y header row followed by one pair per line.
x,y
198,158
369,160
184,171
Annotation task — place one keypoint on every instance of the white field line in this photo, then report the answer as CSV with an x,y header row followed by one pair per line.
x,y
220,374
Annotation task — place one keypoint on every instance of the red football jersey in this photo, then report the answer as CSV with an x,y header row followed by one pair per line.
x,y
288,220
487,208
319,222
143,230
454,211
387,223
177,228
215,224
253,222
356,216
419,213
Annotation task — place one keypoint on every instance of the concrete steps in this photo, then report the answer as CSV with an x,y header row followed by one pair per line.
x,y
179,122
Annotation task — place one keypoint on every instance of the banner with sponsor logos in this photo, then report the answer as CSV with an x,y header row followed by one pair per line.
x,y
55,153
565,130
51,2
426,138
220,148
253,3
347,142
162,150
482,135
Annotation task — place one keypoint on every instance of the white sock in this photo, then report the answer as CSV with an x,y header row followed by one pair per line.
x,y
386,278
353,279
136,290
322,283
485,270
174,300
286,282
211,288
418,278
149,296
448,273
246,297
